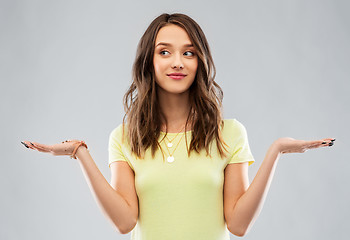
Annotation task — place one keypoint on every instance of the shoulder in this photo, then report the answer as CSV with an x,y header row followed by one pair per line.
x,y
233,126
117,132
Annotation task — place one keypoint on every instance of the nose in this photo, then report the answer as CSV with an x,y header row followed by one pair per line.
x,y
177,63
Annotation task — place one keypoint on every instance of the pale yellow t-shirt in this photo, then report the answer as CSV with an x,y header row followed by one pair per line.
x,y
182,199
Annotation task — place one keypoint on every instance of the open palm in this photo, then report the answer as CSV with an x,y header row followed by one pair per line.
x,y
291,145
64,148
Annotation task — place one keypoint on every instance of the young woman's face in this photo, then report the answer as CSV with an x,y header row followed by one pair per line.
x,y
174,54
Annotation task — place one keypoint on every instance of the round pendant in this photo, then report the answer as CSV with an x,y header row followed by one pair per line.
x,y
170,144
170,159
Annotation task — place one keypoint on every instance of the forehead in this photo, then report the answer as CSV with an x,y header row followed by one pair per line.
x,y
173,34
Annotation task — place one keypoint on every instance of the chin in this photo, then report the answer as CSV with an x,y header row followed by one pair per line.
x,y
173,89
176,91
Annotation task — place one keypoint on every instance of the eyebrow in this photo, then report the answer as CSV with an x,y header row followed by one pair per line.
x,y
168,44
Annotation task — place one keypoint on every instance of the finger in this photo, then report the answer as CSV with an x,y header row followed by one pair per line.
x,y
326,142
318,144
41,147
329,140
31,146
28,145
312,144
42,150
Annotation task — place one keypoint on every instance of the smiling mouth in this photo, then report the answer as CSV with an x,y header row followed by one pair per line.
x,y
177,76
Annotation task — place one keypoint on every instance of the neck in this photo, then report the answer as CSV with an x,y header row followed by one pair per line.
x,y
175,108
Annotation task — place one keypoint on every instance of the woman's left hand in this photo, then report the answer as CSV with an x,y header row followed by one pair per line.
x,y
291,145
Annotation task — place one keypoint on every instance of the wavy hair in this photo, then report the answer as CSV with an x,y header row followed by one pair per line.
x,y
141,101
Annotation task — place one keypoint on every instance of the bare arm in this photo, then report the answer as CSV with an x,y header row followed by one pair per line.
x,y
113,204
117,200
243,203
249,205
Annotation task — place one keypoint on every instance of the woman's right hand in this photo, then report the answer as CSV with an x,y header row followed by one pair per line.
x,y
65,148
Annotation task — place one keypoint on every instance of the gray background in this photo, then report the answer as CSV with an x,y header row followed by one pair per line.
x,y
65,65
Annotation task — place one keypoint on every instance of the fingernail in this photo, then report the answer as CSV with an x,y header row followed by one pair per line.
x,y
32,143
25,144
330,144
323,142
333,140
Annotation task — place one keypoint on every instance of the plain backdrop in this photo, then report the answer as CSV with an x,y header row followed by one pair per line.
x,y
65,66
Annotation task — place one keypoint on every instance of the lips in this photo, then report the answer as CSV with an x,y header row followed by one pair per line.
x,y
177,74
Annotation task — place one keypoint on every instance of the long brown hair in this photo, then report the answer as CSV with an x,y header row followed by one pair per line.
x,y
141,101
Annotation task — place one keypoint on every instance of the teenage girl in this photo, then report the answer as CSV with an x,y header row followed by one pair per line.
x,y
178,170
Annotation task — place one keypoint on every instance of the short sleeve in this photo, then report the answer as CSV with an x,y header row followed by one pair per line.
x,y
115,147
241,150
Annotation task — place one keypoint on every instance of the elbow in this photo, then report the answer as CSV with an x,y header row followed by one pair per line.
x,y
127,229
122,231
239,232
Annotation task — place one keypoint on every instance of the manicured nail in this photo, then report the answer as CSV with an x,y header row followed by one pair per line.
x,y
25,144
323,142
32,143
330,144
333,140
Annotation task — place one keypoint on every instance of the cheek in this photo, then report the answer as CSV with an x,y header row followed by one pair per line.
x,y
195,66
158,66
155,64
